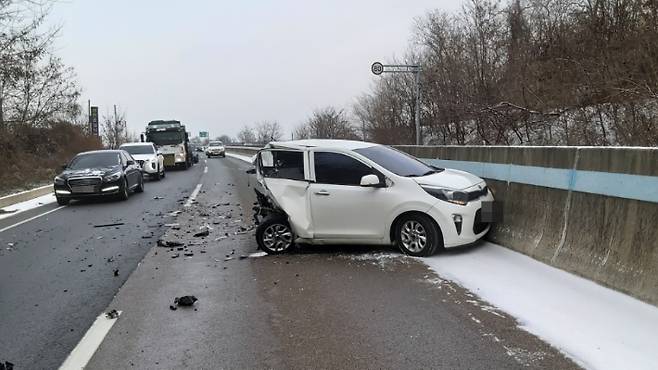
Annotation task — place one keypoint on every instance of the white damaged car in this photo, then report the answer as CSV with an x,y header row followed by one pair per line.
x,y
148,157
352,192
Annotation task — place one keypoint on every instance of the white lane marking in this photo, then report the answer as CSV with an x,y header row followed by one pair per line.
x,y
205,161
30,219
193,196
81,354
205,169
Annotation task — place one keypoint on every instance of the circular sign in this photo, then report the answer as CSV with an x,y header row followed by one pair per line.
x,y
377,68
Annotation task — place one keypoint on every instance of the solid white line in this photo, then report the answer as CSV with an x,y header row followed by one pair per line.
x,y
205,161
30,219
193,196
205,169
81,354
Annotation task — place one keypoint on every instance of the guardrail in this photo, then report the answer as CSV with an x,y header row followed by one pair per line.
x,y
589,210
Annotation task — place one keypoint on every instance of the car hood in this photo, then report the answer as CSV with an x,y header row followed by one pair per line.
x,y
450,179
144,157
101,171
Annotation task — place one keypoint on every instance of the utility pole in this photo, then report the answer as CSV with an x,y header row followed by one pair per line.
x,y
377,68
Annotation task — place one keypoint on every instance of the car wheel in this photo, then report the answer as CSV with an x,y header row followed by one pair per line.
x,y
62,201
417,235
123,191
140,187
274,235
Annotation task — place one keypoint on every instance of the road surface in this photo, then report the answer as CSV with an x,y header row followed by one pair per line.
x,y
321,307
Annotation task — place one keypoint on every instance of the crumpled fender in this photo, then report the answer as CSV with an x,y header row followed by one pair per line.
x,y
291,196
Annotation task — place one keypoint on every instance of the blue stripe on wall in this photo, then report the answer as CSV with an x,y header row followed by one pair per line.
x,y
618,185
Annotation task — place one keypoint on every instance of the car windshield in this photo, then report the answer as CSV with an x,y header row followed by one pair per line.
x,y
215,143
138,149
94,160
166,137
397,162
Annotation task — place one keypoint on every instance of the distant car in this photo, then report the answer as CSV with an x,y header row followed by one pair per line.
x,y
146,154
216,149
99,173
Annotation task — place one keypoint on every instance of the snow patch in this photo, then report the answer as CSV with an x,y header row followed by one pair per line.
x,y
241,157
383,260
597,327
27,205
258,254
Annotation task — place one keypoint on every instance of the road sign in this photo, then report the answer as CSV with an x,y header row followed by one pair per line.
x,y
377,68
93,120
203,133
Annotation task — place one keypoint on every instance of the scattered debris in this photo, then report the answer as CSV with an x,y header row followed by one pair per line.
x,y
175,255
158,197
260,254
203,233
184,301
188,254
112,314
116,272
109,225
110,259
6,366
168,244
243,257
172,225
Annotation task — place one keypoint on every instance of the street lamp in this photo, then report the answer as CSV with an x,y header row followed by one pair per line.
x,y
377,68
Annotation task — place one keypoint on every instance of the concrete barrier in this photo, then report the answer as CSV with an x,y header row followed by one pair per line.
x,y
592,211
25,195
243,150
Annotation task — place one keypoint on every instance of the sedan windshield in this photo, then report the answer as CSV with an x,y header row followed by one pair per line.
x,y
397,162
94,160
138,149
215,143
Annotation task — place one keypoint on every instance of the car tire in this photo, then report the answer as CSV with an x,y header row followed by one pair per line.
x,y
417,235
274,235
62,201
140,187
123,191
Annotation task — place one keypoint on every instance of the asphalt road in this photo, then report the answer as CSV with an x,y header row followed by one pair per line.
x,y
58,277
321,308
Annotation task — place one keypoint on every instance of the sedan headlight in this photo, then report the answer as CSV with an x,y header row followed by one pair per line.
x,y
112,177
448,195
59,181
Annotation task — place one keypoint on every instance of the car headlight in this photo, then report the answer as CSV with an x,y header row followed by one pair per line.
x,y
112,177
448,195
59,181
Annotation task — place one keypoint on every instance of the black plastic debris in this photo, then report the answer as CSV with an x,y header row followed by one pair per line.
x,y
188,254
112,314
203,233
116,272
187,300
109,225
243,257
168,244
6,366
175,255
158,197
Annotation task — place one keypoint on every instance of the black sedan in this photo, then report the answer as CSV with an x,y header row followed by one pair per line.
x,y
99,173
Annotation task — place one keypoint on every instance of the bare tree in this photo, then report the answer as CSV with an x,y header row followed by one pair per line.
x,y
225,139
246,135
326,123
267,131
114,129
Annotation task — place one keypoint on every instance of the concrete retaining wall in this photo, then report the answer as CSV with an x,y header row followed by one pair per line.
x,y
25,195
592,211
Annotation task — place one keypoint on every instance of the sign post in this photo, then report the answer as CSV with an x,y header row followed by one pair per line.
x,y
377,69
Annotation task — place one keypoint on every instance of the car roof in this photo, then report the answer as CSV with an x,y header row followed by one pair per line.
x,y
136,144
322,143
101,151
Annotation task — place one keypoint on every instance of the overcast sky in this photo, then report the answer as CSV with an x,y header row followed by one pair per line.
x,y
217,65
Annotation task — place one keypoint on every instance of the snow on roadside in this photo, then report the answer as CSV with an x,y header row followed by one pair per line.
x,y
27,205
597,327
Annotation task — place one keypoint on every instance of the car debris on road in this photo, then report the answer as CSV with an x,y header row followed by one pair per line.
x,y
184,301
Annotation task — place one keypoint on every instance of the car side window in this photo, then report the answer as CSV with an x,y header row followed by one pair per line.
x,y
282,164
123,160
339,169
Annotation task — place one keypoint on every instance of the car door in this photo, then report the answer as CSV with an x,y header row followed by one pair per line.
x,y
130,169
340,207
284,174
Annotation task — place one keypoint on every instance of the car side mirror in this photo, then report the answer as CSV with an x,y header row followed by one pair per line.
x,y
370,181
